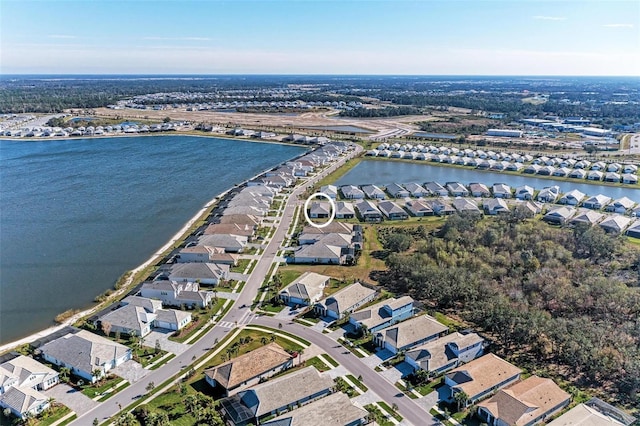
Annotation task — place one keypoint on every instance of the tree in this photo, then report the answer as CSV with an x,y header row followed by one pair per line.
x,y
264,340
7,412
106,328
150,386
461,399
64,373
272,337
397,243
97,373
126,419
166,119
191,403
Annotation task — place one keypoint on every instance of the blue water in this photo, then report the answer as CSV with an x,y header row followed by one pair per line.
x,y
76,214
385,172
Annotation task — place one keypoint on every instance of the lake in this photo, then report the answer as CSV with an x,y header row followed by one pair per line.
x,y
380,172
78,213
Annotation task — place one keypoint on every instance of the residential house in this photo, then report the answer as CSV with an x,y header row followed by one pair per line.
x,y
562,172
445,353
634,230
419,208
229,242
169,319
525,403
524,192
615,224
175,293
436,189
501,190
335,409
612,177
595,175
596,202
373,192
397,191
330,191
245,210
87,355
465,205
352,192
578,174
305,290
532,169
480,378
441,207
241,219
549,194
587,217
23,371
457,189
479,190
621,205
368,211
614,167
416,190
345,210
515,167
24,402
494,206
319,210
559,215
582,164
382,314
572,198
594,412
629,178
276,396
345,301
206,254
204,273
249,369
598,165
630,168
244,230
392,211
130,320
409,333
318,253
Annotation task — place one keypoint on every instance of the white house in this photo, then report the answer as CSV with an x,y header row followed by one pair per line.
x,y
204,273
445,353
305,290
175,293
345,301
345,210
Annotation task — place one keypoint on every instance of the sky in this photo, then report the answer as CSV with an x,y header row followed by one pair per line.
x,y
417,37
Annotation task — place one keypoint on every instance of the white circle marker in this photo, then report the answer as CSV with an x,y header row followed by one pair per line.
x,y
331,216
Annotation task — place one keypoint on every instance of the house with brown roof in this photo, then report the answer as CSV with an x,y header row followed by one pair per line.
x,y
244,230
206,254
249,369
525,403
409,333
481,377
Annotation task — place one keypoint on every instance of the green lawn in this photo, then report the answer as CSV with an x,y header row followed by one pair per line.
x,y
317,363
199,318
449,322
93,390
388,409
241,266
378,415
426,389
145,355
357,382
330,360
54,413
293,336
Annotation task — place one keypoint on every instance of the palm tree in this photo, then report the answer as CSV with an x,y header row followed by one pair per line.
x,y
97,373
272,337
64,373
191,403
461,399
264,340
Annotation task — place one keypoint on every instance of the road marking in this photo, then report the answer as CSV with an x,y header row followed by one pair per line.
x,y
226,324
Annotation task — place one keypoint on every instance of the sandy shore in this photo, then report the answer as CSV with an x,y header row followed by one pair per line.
x,y
181,234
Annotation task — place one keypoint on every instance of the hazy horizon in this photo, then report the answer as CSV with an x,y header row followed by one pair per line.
x,y
414,38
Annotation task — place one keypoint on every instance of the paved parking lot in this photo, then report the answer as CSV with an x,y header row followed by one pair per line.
x,y
72,398
131,371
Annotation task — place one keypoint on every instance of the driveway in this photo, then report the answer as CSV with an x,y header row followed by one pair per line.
x,y
397,372
429,400
72,398
238,276
162,336
131,371
377,358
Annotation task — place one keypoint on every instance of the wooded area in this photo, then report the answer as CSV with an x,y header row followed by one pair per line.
x,y
563,302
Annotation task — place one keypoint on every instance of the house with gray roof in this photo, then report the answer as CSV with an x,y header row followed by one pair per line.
x,y
629,178
206,254
612,177
204,273
615,224
501,190
334,239
319,210
397,191
447,352
24,401
457,189
382,314
578,174
276,396
229,242
335,409
419,208
572,198
129,320
441,207
24,371
479,190
171,319
416,190
84,353
621,205
586,217
368,211
436,189
352,192
345,210
305,290
409,333
594,412
524,192
559,215
345,301
330,190
494,206
373,192
634,230
175,293
392,211
465,205
548,194
318,253
596,202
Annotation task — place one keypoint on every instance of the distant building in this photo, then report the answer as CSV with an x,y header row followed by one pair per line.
x,y
505,133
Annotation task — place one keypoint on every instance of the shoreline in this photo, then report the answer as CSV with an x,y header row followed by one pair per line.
x,y
155,256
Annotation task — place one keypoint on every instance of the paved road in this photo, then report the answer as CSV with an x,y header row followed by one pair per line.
x,y
407,407
237,313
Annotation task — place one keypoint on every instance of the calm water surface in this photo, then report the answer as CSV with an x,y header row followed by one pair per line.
x,y
76,214
385,172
